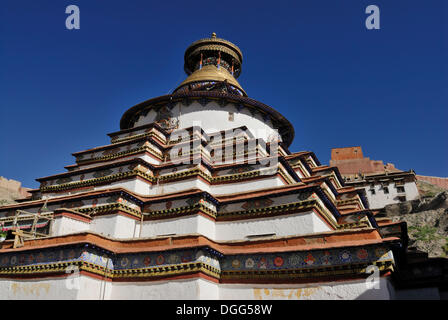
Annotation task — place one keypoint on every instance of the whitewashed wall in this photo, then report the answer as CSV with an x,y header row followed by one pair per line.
x,y
380,199
213,118
121,227
293,224
115,226
217,189
347,290
49,288
178,226
134,185
188,289
72,288
251,185
64,225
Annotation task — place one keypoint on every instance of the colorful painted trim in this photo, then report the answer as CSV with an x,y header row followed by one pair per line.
x,y
185,210
284,266
91,211
150,134
100,180
113,156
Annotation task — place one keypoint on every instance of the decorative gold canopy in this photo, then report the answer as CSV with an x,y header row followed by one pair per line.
x,y
212,61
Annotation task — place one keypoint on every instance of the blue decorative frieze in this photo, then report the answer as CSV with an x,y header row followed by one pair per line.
x,y
310,259
91,255
165,258
41,257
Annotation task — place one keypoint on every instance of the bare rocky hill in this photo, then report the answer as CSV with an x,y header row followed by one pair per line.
x,y
11,190
427,219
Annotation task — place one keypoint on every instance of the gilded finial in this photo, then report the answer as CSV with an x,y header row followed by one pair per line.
x,y
213,35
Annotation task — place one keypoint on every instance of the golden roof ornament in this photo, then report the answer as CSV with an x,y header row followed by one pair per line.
x,y
211,60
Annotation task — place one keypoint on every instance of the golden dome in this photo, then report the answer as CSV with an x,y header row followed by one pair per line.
x,y
211,73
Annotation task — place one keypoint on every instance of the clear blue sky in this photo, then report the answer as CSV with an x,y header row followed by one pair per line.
x,y
315,62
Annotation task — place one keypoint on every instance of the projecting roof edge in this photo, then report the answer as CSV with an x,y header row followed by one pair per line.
x,y
347,238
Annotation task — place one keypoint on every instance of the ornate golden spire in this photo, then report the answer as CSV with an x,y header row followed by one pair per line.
x,y
212,61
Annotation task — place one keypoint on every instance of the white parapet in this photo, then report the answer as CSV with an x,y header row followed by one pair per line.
x,y
84,287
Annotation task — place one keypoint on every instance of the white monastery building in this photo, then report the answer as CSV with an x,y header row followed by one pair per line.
x,y
197,196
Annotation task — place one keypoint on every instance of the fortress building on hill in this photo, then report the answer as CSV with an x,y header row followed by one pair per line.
x,y
383,183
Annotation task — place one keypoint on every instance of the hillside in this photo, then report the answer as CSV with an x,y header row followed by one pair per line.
x,y
11,190
427,219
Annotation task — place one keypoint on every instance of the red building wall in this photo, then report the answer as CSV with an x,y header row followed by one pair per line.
x,y
352,161
346,153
